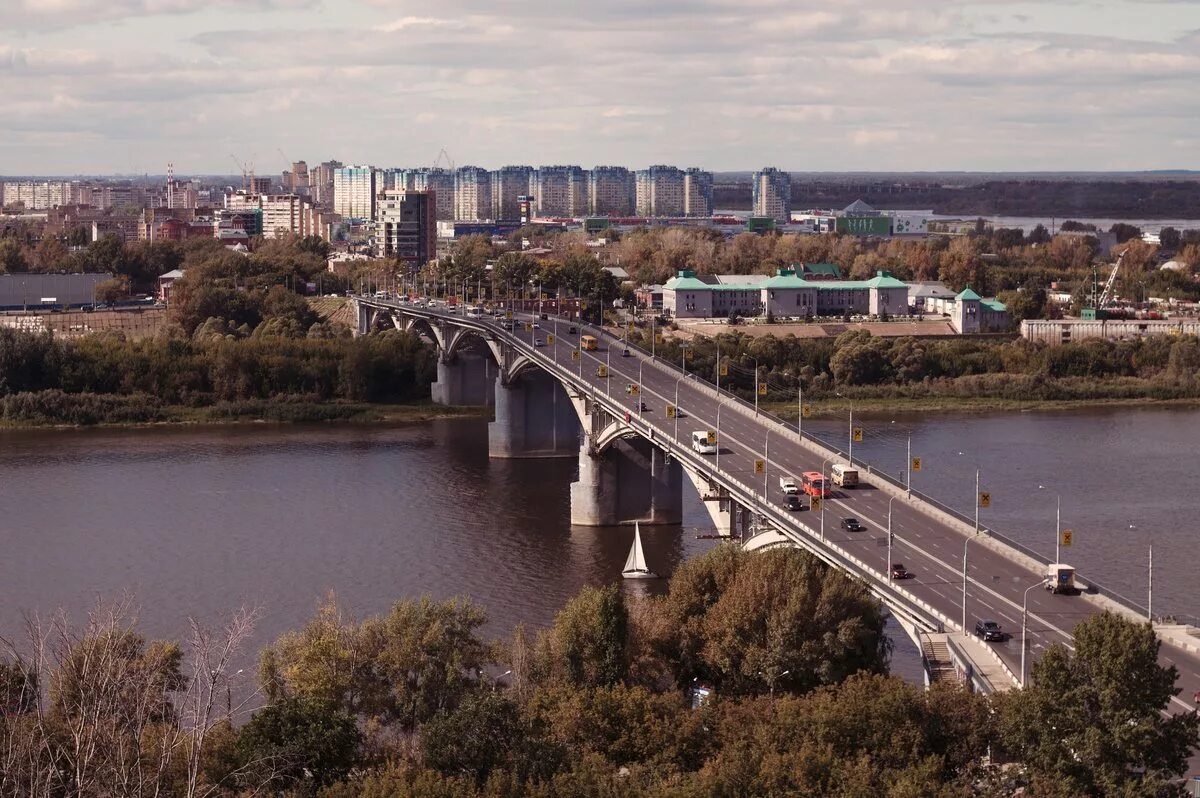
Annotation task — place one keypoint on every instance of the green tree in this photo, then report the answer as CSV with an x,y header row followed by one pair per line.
x,y
113,290
588,644
1093,722
299,743
12,256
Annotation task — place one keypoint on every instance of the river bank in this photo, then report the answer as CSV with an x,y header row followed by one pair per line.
x,y
37,411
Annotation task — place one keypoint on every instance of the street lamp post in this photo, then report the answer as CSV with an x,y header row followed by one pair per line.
x,y
718,457
964,582
908,468
766,460
677,381
755,384
888,565
1024,625
800,409
824,463
1057,524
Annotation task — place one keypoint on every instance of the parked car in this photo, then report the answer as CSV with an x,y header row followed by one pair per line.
x,y
852,525
900,572
794,502
990,632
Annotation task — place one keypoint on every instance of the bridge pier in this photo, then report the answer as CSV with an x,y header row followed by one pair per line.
x,y
632,480
366,317
534,418
468,379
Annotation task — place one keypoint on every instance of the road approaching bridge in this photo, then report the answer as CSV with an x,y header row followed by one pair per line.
x,y
623,395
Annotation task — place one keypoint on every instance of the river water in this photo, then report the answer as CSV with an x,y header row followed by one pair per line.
x,y
195,522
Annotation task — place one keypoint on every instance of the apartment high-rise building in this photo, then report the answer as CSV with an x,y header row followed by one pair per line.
x,y
697,193
509,183
472,194
660,191
611,191
406,227
320,182
38,195
295,181
354,192
772,194
439,181
560,190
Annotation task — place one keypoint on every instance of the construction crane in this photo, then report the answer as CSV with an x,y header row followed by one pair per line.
x,y
449,161
246,173
1100,299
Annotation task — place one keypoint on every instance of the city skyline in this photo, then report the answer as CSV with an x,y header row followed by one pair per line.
x,y
128,85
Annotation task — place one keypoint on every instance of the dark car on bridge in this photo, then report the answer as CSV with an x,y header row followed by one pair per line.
x,y
990,632
794,502
900,572
572,330
852,525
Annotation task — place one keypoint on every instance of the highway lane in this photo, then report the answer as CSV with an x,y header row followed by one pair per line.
x,y
932,549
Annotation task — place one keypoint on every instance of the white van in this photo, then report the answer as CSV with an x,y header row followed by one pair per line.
x,y
475,312
844,476
704,441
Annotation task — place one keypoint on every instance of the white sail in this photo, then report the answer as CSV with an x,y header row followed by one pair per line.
x,y
635,563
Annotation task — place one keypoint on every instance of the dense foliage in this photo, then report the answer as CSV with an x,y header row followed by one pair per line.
x,y
859,365
598,704
106,378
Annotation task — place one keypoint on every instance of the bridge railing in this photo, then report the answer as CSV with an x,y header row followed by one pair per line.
x,y
795,431
834,450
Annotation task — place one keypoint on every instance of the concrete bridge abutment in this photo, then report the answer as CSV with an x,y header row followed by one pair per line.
x,y
631,480
534,418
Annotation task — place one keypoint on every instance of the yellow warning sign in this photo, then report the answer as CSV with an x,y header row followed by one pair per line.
x,y
670,411
916,464
550,339
816,502
760,467
806,411
601,371
985,499
858,434
574,354
712,437
762,389
1065,537
724,369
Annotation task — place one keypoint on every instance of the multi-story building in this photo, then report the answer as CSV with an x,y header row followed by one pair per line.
x,y
406,227
38,195
660,191
509,183
472,194
772,195
611,191
295,181
559,191
320,182
281,214
354,192
697,193
437,180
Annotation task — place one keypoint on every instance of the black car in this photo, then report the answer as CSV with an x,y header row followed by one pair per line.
x,y
572,330
990,631
852,525
626,353
794,502
900,572
545,317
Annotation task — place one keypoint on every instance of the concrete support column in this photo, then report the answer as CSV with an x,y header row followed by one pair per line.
x,y
594,494
630,481
534,418
365,316
467,380
721,508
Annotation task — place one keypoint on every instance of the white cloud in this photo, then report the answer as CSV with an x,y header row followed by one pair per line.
x,y
881,84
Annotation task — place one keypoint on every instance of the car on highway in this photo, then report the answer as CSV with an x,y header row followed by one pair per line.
x,y
900,572
572,330
794,502
852,524
626,353
507,324
539,342
990,632
544,317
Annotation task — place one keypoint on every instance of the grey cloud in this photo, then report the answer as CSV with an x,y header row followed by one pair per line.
x,y
64,14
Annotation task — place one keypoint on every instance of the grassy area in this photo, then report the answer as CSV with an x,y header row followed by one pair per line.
x,y
283,411
945,404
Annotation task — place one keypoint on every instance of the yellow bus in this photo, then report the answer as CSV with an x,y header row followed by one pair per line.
x,y
588,342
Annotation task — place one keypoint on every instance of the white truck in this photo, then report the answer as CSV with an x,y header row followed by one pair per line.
x,y
1060,578
704,441
844,476
788,486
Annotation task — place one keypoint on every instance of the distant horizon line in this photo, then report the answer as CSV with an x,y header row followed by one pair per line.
x,y
829,172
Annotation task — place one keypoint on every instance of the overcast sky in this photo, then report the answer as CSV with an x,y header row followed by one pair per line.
x,y
98,86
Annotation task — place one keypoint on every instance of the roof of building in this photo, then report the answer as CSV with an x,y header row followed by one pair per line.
x,y
995,305
968,294
618,272
929,290
787,278
174,274
858,206
830,269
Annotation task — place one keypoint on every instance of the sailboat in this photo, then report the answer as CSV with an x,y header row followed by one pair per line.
x,y
635,563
